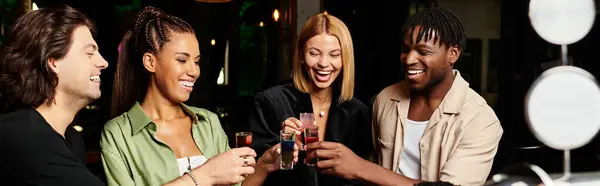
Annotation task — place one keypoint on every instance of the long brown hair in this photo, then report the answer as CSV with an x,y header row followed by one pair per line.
x,y
26,80
150,32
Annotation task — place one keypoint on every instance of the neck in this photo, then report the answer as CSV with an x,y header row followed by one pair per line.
x,y
60,113
435,94
322,93
158,107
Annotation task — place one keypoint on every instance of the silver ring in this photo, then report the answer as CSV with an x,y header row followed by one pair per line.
x,y
245,161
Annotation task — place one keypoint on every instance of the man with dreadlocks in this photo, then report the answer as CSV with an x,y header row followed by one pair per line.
x,y
430,127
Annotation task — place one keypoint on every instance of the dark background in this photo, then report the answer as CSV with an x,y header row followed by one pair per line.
x,y
258,55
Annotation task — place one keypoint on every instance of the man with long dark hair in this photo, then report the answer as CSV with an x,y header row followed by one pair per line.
x,y
49,70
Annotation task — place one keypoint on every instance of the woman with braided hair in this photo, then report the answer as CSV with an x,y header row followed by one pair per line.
x,y
154,137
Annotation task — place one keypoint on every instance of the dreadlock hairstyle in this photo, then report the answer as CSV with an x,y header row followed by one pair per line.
x,y
437,23
151,30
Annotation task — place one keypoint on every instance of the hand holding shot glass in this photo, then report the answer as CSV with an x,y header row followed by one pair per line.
x,y
307,120
243,139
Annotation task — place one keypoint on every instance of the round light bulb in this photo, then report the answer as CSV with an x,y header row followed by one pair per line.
x,y
562,22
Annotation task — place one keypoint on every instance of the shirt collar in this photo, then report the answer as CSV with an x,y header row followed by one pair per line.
x,y
140,120
453,100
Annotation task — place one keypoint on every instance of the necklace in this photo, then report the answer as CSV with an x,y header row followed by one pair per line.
x,y
322,112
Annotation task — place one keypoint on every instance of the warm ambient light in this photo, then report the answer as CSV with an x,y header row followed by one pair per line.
x,y
261,24
78,128
34,6
325,12
213,42
276,15
221,78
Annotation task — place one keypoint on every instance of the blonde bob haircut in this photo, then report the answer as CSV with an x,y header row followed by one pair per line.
x,y
325,24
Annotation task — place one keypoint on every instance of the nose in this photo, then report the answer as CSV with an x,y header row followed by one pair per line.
x,y
409,57
193,70
101,63
323,62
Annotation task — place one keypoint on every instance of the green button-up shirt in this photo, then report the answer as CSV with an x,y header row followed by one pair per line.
x,y
132,155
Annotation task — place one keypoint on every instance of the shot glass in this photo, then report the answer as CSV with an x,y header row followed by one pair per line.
x,y
287,140
311,135
308,121
243,139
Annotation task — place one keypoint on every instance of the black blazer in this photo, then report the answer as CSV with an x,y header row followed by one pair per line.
x,y
348,123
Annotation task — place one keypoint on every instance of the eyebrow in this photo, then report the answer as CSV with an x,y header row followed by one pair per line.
x,y
91,45
187,55
313,48
420,45
334,50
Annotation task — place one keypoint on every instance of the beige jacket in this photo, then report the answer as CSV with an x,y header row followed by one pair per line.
x,y
459,142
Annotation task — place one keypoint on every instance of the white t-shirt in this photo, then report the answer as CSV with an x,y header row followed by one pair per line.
x,y
185,163
410,158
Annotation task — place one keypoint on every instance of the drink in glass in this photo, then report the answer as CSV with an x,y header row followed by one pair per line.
x,y
311,135
243,139
308,121
288,139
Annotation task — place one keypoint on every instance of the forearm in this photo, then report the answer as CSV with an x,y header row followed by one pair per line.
x,y
187,180
378,175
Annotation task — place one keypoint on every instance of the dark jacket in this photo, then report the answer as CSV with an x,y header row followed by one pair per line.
x,y
347,123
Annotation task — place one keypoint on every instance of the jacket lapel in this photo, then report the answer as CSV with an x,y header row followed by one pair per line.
x,y
301,102
337,117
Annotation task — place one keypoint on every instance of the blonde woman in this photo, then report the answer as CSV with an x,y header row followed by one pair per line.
x,y
323,84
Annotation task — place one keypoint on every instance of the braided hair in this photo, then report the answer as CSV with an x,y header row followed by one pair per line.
x,y
437,23
151,30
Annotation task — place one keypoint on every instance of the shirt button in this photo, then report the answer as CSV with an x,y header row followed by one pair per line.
x,y
423,145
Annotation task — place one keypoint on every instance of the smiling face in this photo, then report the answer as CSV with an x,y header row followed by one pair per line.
x,y
79,71
177,67
427,62
323,60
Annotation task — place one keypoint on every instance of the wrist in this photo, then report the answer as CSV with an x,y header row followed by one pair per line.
x,y
191,176
262,167
363,173
202,177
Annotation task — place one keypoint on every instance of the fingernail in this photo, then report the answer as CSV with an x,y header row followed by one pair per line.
x,y
298,132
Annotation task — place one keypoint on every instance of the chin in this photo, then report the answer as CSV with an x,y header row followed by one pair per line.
x,y
94,96
417,87
322,85
181,98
